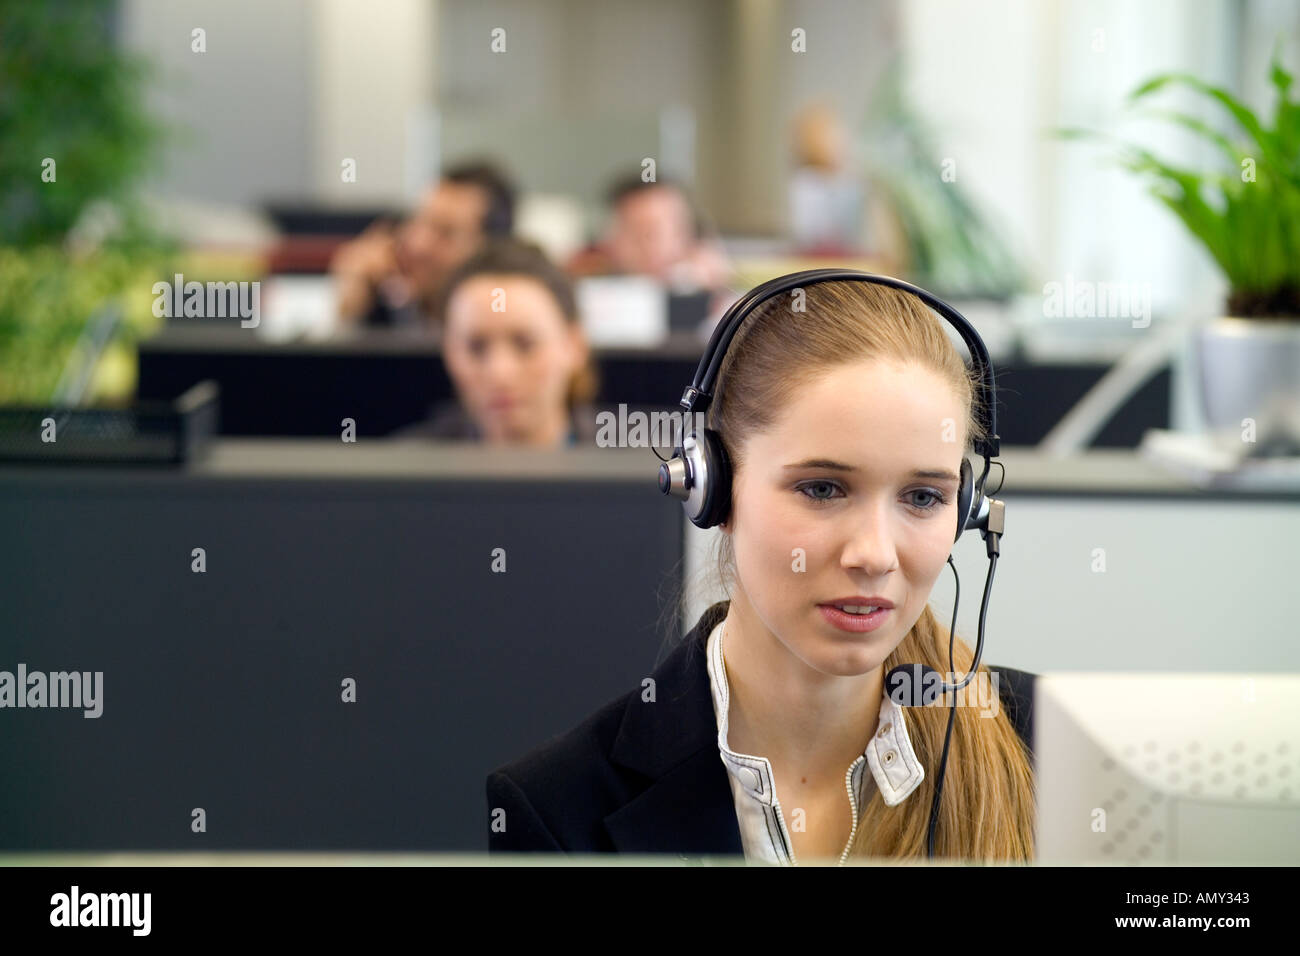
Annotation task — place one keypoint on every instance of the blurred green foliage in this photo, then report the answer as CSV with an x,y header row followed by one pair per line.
x,y
46,299
1248,219
68,94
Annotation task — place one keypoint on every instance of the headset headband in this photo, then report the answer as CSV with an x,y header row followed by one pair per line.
x,y
699,393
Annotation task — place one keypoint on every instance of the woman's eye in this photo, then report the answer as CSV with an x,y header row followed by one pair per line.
x,y
817,487
819,491
937,499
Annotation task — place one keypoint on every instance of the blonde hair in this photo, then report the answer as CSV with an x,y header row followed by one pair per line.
x,y
986,809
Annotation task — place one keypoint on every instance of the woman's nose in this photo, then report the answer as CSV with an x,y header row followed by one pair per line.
x,y
871,544
499,365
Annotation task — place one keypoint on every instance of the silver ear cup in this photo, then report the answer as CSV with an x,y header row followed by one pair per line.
x,y
697,468
686,476
672,477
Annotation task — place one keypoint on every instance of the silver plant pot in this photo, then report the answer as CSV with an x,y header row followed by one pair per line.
x,y
1250,369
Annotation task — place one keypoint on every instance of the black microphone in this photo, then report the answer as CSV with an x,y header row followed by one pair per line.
x,y
920,685
913,685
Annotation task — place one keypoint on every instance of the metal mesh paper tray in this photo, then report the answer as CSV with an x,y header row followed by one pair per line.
x,y
147,432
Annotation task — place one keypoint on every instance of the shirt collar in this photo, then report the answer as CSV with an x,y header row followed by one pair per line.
x,y
889,755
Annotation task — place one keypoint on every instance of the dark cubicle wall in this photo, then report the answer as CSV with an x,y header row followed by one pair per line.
x,y
385,381
222,689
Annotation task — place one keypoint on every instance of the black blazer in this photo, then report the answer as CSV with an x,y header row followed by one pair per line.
x,y
645,777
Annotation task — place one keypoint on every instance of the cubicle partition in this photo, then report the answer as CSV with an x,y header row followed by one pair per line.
x,y
316,645
384,380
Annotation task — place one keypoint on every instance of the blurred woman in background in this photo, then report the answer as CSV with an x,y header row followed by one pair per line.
x,y
515,352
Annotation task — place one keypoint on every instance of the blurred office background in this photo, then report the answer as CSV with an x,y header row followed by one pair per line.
x,y
1137,539
947,111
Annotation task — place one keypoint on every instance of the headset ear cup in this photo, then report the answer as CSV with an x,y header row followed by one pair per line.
x,y
965,496
691,450
717,493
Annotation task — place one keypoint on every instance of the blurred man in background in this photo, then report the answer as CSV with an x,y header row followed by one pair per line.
x,y
655,231
389,276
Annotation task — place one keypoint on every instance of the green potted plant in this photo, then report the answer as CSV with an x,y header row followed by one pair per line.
x,y
1248,219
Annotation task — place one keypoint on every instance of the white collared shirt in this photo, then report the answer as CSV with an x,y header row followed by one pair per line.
x,y
763,833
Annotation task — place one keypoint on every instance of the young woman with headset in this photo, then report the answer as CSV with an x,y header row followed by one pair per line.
x,y
822,712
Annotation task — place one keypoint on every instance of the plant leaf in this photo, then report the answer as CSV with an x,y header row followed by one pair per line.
x,y
1240,112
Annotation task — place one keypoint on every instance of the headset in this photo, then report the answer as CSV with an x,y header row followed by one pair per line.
x,y
699,472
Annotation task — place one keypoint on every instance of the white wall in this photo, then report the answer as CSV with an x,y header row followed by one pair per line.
x,y
244,108
285,91
375,83
586,88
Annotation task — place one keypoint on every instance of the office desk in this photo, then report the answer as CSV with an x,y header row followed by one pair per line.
x,y
236,859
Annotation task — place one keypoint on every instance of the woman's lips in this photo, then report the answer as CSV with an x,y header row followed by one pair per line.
x,y
854,623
